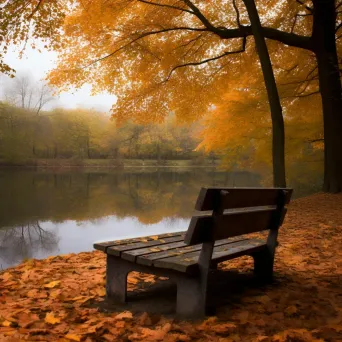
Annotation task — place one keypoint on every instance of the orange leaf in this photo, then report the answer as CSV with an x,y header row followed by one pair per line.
x,y
124,315
73,337
50,318
52,284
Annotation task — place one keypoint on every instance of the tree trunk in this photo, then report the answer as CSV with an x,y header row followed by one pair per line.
x,y
278,130
88,147
331,93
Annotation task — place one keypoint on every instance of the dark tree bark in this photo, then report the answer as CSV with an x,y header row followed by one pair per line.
x,y
278,130
324,46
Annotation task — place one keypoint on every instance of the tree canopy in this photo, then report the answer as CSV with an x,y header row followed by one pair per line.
x,y
192,58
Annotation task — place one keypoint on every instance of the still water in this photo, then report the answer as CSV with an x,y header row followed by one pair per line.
x,y
45,213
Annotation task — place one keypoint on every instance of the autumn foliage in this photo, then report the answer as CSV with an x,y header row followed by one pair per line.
x,y
197,60
62,298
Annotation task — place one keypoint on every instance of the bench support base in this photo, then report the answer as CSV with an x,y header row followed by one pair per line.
x,y
263,265
191,291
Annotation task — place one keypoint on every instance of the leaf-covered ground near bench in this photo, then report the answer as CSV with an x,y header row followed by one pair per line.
x,y
59,298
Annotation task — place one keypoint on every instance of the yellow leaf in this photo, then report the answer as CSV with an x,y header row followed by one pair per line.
x,y
155,249
52,284
6,323
50,318
101,292
81,299
155,237
123,315
54,294
73,337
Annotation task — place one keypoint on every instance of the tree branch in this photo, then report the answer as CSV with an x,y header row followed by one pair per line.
x,y
237,13
196,11
243,48
143,35
35,9
298,96
309,9
338,27
165,5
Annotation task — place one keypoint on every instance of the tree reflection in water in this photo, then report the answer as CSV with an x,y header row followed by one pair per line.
x,y
18,243
74,204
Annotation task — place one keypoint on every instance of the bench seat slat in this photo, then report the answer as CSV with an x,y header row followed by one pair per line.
x,y
172,250
102,246
188,262
117,250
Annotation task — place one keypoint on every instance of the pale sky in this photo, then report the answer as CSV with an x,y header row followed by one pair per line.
x,y
37,65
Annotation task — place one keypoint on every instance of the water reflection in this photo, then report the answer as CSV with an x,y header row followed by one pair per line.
x,y
48,213
18,243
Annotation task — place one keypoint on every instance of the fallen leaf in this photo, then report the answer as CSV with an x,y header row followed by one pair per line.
x,y
6,323
73,337
50,318
52,284
290,310
124,315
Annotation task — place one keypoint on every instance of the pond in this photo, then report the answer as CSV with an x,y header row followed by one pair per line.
x,y
44,213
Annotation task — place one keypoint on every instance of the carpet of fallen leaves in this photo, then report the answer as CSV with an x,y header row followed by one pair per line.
x,y
49,300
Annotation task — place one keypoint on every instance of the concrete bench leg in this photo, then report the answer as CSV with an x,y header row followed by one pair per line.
x,y
116,279
263,265
191,297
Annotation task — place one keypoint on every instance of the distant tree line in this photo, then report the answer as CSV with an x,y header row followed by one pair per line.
x,y
28,133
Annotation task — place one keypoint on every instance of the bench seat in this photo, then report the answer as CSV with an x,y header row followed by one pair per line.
x,y
220,230
169,251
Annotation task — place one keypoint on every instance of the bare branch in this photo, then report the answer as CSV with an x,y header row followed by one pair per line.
x,y
143,35
243,48
301,2
315,140
307,78
338,26
298,96
196,11
35,9
237,13
165,5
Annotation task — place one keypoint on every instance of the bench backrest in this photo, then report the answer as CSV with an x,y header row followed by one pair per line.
x,y
249,210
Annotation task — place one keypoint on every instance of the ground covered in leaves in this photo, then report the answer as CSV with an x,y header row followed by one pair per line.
x,y
62,298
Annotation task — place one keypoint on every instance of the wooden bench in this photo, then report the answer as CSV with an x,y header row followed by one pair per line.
x,y
216,233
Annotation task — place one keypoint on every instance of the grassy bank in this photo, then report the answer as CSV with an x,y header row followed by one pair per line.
x,y
62,298
108,163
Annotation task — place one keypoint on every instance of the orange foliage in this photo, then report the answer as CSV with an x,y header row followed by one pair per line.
x,y
137,51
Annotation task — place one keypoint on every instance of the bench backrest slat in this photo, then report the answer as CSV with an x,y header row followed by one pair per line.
x,y
263,209
239,197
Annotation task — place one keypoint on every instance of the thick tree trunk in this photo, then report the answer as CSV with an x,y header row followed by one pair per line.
x,y
331,92
278,130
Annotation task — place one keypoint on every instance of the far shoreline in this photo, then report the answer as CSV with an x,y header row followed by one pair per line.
x,y
117,164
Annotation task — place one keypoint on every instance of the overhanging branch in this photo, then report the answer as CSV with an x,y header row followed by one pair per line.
x,y
143,35
243,48
167,6
302,3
